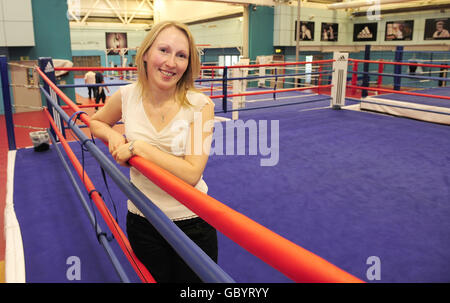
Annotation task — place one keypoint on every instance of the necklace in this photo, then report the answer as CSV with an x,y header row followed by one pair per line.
x,y
162,111
165,112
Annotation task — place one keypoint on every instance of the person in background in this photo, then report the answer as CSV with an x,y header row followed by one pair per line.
x,y
441,31
305,33
89,78
100,90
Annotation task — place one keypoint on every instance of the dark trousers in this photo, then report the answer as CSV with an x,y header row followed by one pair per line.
x,y
91,91
159,257
99,96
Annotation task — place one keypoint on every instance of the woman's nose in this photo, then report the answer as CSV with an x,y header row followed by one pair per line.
x,y
171,61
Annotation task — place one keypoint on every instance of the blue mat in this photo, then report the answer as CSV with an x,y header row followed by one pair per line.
x,y
55,226
348,185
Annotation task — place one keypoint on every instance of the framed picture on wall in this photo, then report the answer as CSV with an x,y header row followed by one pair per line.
x,y
365,32
399,30
329,32
306,31
115,41
437,29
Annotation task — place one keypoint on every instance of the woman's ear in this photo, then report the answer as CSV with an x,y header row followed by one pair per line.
x,y
144,57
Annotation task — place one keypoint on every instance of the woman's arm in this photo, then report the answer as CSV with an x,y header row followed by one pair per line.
x,y
188,168
101,124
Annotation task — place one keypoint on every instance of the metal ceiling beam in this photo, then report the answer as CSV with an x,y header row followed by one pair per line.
x,y
115,11
363,3
255,2
89,12
138,8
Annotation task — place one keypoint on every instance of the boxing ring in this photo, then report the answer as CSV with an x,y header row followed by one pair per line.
x,y
332,193
431,104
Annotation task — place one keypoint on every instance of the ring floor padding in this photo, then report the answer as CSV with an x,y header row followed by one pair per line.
x,y
438,91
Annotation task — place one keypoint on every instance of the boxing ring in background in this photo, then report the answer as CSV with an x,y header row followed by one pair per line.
x,y
297,263
429,105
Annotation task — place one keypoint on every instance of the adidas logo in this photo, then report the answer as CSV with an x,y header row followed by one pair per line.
x,y
49,68
342,58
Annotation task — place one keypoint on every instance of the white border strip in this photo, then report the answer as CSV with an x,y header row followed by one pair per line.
x,y
14,256
388,106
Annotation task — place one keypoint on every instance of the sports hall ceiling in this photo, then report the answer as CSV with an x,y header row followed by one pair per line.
x,y
143,11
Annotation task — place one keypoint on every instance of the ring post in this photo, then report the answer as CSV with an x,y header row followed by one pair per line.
x,y
443,74
380,72
46,65
398,68
354,76
339,80
366,79
237,87
275,85
224,89
7,103
319,81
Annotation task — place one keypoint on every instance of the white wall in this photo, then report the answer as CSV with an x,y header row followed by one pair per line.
x,y
16,23
92,36
221,33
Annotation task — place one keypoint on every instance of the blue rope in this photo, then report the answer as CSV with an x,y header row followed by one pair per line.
x,y
77,116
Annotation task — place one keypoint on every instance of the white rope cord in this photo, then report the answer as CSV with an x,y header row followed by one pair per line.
x,y
28,106
21,65
29,127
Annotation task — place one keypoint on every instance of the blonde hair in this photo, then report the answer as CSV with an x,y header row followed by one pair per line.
x,y
186,82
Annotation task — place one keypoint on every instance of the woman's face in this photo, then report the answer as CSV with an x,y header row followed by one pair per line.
x,y
167,59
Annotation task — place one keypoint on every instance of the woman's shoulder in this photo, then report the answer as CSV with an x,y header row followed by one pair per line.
x,y
128,90
128,87
198,99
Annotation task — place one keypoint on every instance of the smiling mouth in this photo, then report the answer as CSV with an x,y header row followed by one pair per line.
x,y
166,73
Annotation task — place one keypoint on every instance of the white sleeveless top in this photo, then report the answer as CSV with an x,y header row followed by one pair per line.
x,y
171,139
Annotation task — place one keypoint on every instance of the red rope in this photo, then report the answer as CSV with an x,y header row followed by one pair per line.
x,y
273,91
99,68
401,63
399,92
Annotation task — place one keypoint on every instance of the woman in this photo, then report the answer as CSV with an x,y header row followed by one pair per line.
x,y
162,113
